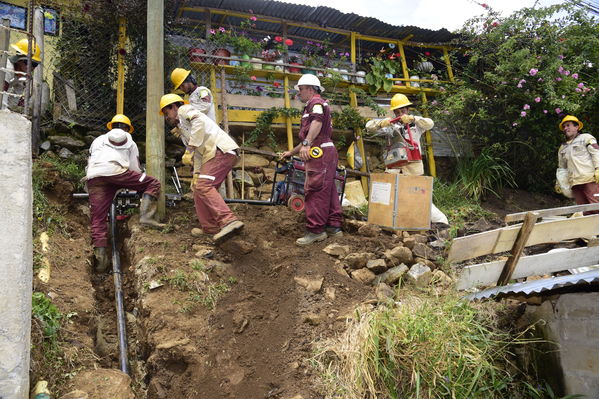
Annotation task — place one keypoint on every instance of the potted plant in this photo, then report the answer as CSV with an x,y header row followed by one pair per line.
x,y
380,71
423,64
294,60
220,39
246,47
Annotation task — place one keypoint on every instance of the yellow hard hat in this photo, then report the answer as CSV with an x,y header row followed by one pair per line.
x,y
570,118
122,119
22,46
178,76
169,99
399,101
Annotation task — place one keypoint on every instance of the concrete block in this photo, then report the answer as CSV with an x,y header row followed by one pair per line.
x,y
16,252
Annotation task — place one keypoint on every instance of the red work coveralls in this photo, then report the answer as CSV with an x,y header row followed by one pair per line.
x,y
322,200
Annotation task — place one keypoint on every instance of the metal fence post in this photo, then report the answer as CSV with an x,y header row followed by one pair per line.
x,y
38,32
4,42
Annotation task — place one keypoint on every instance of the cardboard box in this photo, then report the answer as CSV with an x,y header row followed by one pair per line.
x,y
400,202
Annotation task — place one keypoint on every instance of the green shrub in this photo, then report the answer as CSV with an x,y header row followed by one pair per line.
x,y
48,316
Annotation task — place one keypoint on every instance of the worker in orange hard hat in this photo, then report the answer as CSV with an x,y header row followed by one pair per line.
x,y
15,79
578,159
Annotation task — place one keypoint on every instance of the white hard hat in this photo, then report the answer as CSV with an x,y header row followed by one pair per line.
x,y
308,79
117,137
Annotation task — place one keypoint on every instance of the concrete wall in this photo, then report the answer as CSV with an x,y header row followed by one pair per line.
x,y
572,321
16,254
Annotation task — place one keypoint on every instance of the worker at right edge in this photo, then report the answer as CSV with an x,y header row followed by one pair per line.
x,y
323,209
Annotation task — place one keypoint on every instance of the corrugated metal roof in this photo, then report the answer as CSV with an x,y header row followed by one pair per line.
x,y
323,17
538,286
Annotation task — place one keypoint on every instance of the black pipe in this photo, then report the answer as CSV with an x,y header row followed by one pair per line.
x,y
118,292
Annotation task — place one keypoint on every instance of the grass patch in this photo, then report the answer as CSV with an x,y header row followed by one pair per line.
x,y
201,290
425,348
48,316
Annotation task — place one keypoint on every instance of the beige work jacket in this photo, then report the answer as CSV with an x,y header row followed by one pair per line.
x,y
580,156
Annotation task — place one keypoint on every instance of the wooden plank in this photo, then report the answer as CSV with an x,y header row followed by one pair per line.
x,y
414,198
382,199
564,210
501,240
534,265
519,244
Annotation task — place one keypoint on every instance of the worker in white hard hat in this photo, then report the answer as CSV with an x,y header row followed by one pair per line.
x,y
579,156
14,83
113,164
408,128
324,215
218,153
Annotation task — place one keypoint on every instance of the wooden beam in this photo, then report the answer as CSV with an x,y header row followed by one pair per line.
x,y
488,273
519,244
564,210
502,240
430,156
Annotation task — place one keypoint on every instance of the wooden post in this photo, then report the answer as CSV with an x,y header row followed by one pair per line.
x,y
404,64
155,86
120,82
430,156
38,74
288,126
353,101
223,102
448,64
519,244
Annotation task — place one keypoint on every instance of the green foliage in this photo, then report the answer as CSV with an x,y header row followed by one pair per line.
x,y
197,285
376,79
48,315
264,122
518,78
368,101
348,119
438,347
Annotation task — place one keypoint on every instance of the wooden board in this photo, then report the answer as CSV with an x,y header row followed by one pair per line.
x,y
564,210
414,198
501,240
534,265
382,199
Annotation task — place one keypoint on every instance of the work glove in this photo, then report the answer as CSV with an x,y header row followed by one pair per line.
x,y
175,132
407,119
187,158
385,122
596,175
557,188
194,180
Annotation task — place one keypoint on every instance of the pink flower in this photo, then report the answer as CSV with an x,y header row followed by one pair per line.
x,y
253,77
561,70
278,39
575,75
426,53
515,124
484,5
567,73
523,114
581,85
558,110
288,42
578,89
253,18
558,79
540,79
561,57
495,23
537,99
544,111
526,106
533,72
221,29
519,85
212,31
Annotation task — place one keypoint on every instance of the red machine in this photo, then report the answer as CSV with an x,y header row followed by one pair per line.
x,y
399,154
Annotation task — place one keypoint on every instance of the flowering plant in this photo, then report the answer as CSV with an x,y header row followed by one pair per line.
x,y
220,37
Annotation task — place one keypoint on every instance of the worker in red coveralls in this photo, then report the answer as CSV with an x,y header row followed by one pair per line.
x,y
323,210
113,164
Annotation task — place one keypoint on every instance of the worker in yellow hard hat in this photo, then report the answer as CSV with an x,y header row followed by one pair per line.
x,y
15,78
578,156
218,153
113,164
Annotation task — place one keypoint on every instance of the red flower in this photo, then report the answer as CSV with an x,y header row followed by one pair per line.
x,y
253,77
288,42
484,5
495,23
122,52
278,39
276,84
426,53
398,55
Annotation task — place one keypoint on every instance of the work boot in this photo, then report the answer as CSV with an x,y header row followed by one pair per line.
x,y
333,231
149,206
102,260
310,237
228,229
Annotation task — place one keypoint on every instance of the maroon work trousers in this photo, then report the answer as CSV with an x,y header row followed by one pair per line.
x,y
212,211
322,200
587,193
101,191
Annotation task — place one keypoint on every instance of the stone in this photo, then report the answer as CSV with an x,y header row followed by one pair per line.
x,y
369,230
419,238
352,225
409,242
67,142
329,293
364,276
442,279
399,254
427,262
65,153
377,266
392,276
311,284
77,394
419,275
46,145
241,246
104,383
358,260
337,250
252,161
423,251
438,244
247,180
383,292
88,139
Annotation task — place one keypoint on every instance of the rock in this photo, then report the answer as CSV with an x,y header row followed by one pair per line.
x,y
364,276
205,253
336,250
221,269
311,284
442,279
419,275
75,395
46,145
198,233
67,142
427,262
399,254
84,209
252,161
377,266
97,133
358,260
352,225
383,292
104,383
172,343
392,276
241,246
438,244
419,238
88,139
339,269
65,153
369,230
247,179
329,293
423,251
409,242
